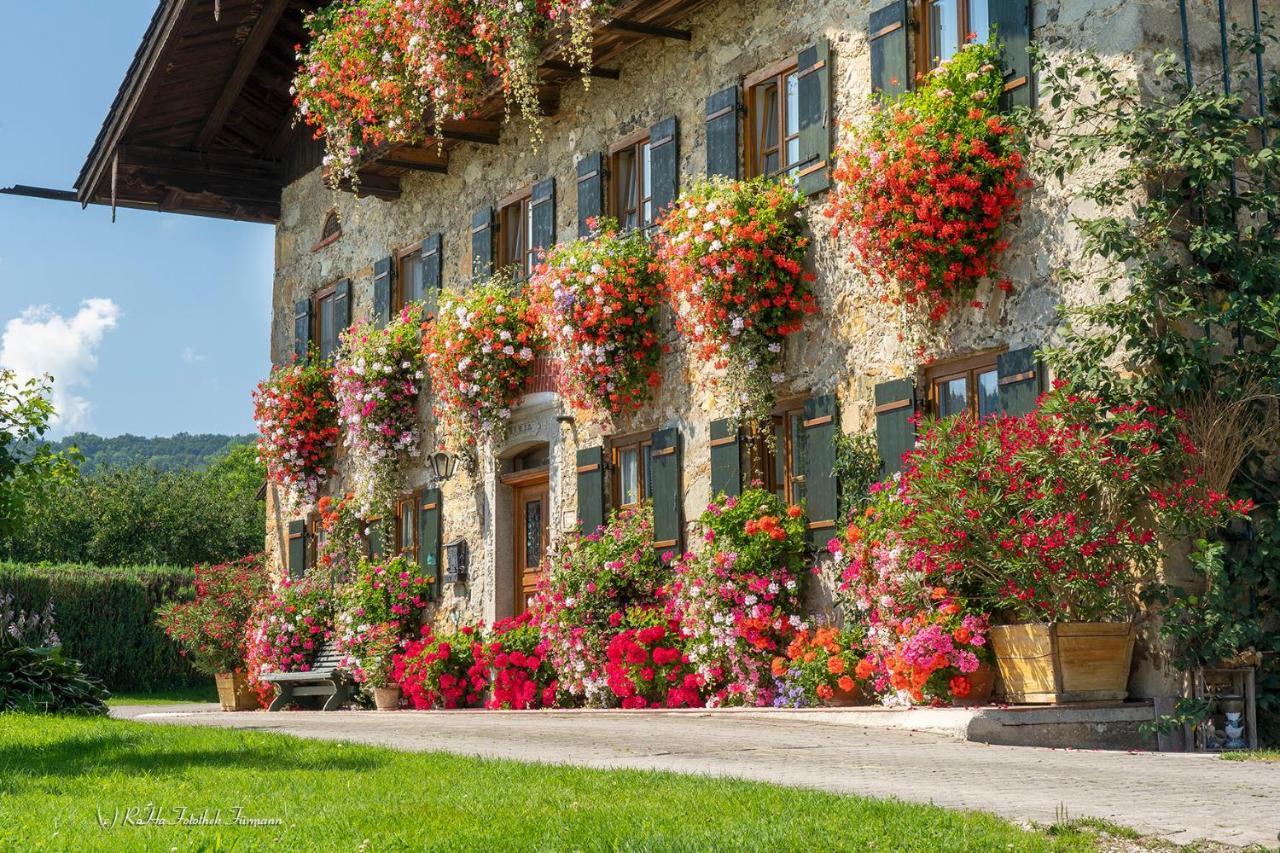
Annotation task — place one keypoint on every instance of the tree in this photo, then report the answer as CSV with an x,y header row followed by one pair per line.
x,y
28,474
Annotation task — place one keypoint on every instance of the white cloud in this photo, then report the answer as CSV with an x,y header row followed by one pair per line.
x,y
190,356
42,341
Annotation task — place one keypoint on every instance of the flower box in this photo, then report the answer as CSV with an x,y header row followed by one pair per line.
x,y
234,692
1041,663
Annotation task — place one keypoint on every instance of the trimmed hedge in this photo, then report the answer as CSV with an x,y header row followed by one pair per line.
x,y
106,619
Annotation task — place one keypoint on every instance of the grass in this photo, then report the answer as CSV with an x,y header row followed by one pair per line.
x,y
1271,756
62,778
174,696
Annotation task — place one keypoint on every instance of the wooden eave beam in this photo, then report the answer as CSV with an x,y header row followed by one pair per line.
x,y
383,187
213,163
627,25
570,68
245,62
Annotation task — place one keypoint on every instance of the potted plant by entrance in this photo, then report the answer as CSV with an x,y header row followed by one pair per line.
x,y
822,667
377,651
211,627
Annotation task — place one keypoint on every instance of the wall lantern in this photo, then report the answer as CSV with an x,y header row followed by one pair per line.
x,y
443,465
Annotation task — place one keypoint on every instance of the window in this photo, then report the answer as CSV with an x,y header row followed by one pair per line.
x,y
329,232
631,188
515,220
407,528
966,387
324,320
316,538
947,25
408,286
374,543
773,119
779,468
632,469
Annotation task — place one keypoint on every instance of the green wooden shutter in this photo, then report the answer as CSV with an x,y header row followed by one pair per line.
x,y
664,462
895,431
726,458
482,232
542,215
341,307
664,164
1020,381
383,270
723,125
818,449
432,252
1011,20
890,61
375,539
301,328
429,530
296,553
590,489
813,70
590,192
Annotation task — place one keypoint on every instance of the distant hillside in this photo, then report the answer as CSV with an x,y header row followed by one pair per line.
x,y
164,453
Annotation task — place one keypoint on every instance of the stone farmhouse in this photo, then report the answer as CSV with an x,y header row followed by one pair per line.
x,y
204,124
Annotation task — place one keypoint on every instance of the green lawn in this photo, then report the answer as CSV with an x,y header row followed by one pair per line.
x,y
181,695
1269,755
61,777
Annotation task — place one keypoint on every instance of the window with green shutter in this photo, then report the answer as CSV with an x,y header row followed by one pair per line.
x,y
590,192
668,526
383,297
590,470
818,434
1020,378
664,165
301,328
482,236
813,99
726,458
724,120
895,427
963,386
542,220
887,38
296,549
431,254
430,509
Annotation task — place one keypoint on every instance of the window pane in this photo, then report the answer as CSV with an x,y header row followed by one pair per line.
x,y
988,393
953,397
646,470
796,462
532,533
529,249
328,327
979,19
408,523
766,129
629,476
792,118
646,188
944,30
411,278
777,458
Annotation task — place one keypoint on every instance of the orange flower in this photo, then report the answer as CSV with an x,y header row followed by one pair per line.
x,y
846,683
939,593
779,667
864,669
853,534
824,691
962,635
794,511
835,665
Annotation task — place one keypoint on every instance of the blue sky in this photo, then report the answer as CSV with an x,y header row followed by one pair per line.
x,y
154,325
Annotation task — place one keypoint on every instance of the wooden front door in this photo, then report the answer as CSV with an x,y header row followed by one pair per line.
x,y
532,524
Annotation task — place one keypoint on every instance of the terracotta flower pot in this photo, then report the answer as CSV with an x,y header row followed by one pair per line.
x,y
982,683
234,693
850,698
1064,662
387,698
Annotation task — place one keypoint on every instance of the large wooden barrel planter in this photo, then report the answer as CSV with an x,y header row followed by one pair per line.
x,y
1064,662
234,693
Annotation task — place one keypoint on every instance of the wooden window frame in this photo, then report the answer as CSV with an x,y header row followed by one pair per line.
x,y
400,281
637,441
777,73
315,539
521,200
412,549
926,51
968,367
637,143
326,292
327,236
759,459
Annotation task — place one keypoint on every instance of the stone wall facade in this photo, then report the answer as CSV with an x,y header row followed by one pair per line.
x,y
847,348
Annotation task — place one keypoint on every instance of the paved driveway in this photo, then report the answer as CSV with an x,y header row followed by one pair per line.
x,y
1180,797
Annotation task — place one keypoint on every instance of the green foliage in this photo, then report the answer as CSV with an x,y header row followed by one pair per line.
x,y
181,452
141,515
211,626
44,680
29,471
105,618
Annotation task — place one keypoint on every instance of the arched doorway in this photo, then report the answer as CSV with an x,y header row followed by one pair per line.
x,y
528,481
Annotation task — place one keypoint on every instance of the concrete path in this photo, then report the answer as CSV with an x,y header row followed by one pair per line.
x,y
1179,797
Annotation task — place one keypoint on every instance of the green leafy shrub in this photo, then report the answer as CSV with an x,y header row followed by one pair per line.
x,y
106,619
44,680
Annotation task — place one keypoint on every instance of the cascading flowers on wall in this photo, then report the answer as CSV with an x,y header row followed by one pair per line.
x,y
377,72
378,375
733,253
925,188
481,350
597,298
297,420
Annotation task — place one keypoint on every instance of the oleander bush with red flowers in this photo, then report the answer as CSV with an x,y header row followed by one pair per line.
x,y
515,654
297,420
598,301
210,627
819,663
739,600
384,604
925,188
733,256
286,630
591,586
481,350
439,670
647,667
379,72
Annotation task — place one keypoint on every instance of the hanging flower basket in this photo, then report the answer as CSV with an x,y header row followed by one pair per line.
x,y
924,189
733,253
481,350
597,299
297,420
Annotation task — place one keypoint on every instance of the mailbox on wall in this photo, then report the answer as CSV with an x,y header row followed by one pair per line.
x,y
456,561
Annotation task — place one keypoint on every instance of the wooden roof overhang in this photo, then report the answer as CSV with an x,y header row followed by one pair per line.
x,y
204,123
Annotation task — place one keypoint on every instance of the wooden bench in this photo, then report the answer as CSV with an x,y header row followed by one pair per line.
x,y
324,679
